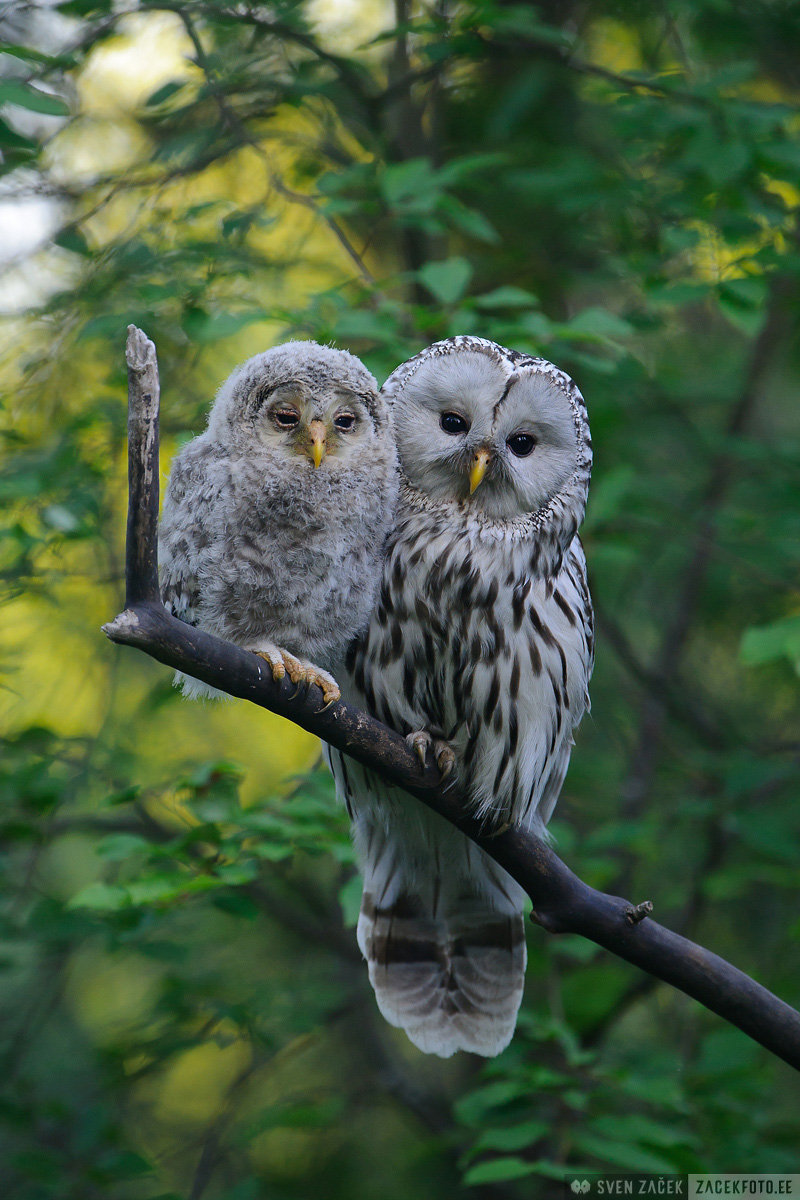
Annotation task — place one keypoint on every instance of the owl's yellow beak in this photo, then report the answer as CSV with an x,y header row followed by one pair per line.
x,y
317,434
477,471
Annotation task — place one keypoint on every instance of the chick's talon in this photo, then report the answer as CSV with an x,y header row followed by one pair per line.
x,y
327,685
274,657
294,667
300,672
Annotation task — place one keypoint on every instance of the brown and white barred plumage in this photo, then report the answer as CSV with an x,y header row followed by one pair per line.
x,y
483,637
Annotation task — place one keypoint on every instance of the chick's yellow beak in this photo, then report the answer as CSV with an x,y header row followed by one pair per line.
x,y
477,471
317,433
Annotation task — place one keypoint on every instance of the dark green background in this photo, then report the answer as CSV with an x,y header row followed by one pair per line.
x,y
614,186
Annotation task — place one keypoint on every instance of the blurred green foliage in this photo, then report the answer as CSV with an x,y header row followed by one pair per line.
x,y
614,186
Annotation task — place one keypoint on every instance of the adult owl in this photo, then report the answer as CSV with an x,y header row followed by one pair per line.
x,y
275,518
481,643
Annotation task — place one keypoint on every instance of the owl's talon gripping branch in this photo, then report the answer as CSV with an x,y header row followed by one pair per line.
x,y
561,901
325,682
421,741
303,673
445,759
275,660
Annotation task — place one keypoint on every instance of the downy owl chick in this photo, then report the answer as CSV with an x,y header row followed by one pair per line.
x,y
275,518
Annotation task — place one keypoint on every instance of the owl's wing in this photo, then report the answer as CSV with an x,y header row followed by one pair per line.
x,y
189,518
554,781
576,568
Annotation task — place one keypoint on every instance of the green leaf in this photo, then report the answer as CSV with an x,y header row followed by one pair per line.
x,y
473,1108
446,280
202,326
164,889
469,220
361,323
237,874
538,326
768,643
750,291
209,773
102,897
749,320
594,991
238,904
621,1154
512,1137
468,166
26,96
497,1169
411,186
272,852
165,92
126,1164
523,19
507,297
118,846
640,1129
310,1115
73,240
126,796
599,323
26,53
782,154
15,141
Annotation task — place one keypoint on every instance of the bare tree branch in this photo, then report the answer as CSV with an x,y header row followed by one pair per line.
x,y
141,545
562,903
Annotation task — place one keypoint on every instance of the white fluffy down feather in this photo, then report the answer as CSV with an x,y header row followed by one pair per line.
x,y
275,518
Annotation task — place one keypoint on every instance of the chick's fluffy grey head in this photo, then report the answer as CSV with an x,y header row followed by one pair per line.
x,y
502,434
301,399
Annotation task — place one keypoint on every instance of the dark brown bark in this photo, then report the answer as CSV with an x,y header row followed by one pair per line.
x,y
144,396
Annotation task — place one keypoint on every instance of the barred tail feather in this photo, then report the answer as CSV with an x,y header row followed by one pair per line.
x,y
447,966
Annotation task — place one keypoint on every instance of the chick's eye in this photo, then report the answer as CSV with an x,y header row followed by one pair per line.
x,y
521,444
286,418
344,421
452,422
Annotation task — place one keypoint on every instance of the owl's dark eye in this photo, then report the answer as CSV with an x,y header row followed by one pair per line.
x,y
287,418
344,421
521,444
452,422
